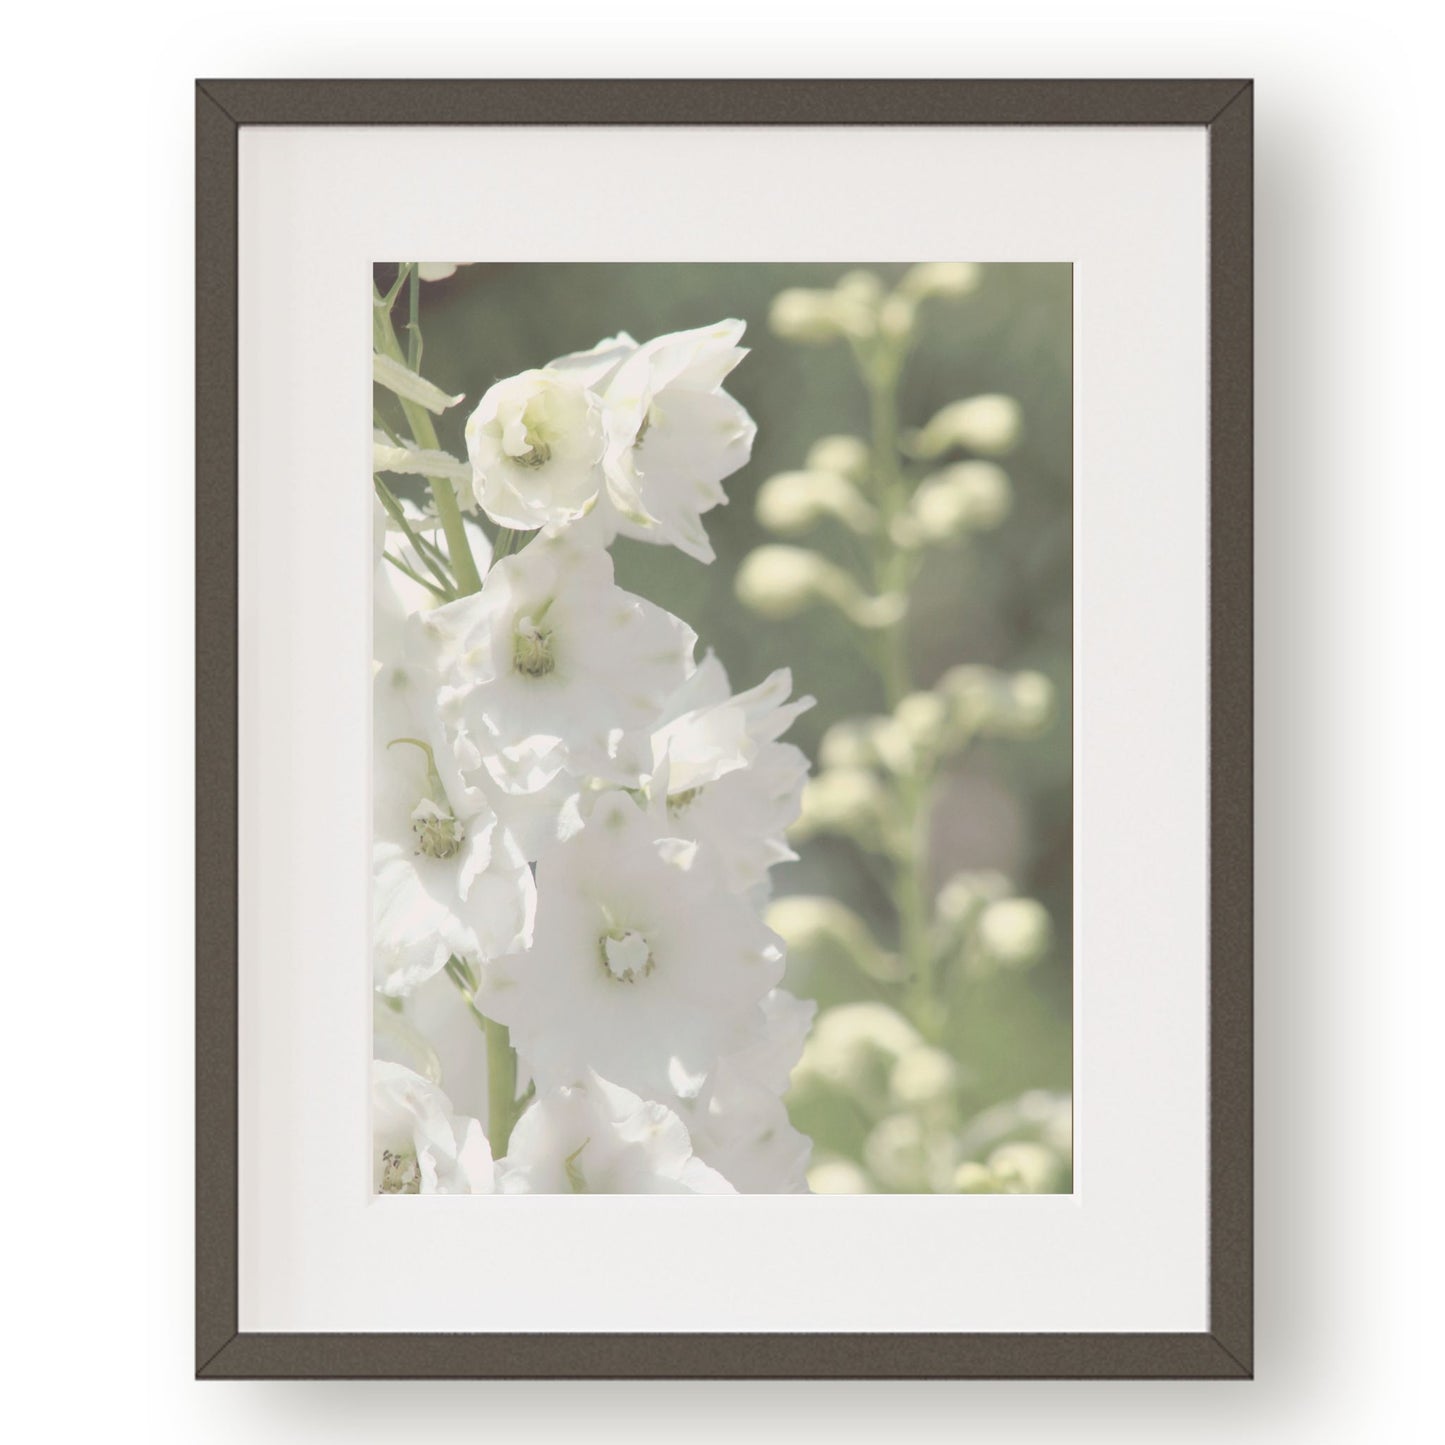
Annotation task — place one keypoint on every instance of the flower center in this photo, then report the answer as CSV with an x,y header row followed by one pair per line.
x,y
537,453
400,1173
532,653
576,1179
626,955
438,833
681,802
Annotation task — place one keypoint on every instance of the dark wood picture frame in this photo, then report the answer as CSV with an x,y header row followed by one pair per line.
x,y
1225,109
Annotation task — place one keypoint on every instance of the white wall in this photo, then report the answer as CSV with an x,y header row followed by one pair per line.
x,y
97,257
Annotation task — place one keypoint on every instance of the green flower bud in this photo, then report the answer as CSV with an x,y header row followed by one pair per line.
x,y
897,1152
807,316
896,317
831,1175
859,288
846,455
854,1047
967,497
988,424
829,931
923,718
923,1078
847,745
1037,1117
984,701
780,582
961,901
850,309
973,693
848,801
1031,697
899,742
940,278
975,1178
1014,932
1024,1167
891,745
792,502
984,929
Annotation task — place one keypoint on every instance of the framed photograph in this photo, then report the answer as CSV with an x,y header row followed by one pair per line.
x,y
724,729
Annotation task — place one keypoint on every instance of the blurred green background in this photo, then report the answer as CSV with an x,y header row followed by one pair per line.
x,y
1002,599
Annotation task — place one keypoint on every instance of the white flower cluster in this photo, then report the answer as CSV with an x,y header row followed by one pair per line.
x,y
575,819
636,438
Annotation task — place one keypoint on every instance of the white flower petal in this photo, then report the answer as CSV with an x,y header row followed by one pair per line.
x,y
419,1143
593,1137
656,1026
535,445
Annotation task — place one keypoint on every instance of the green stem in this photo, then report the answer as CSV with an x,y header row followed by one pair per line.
x,y
433,778
505,544
501,1085
394,511
501,1062
424,434
413,340
432,551
417,577
892,567
911,897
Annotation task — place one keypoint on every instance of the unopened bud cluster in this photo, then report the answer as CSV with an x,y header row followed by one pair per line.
x,y
857,521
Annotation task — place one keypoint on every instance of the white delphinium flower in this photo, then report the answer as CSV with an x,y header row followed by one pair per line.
x,y
551,665
445,880
447,877
536,443
551,716
745,1134
673,435
419,1146
396,1039
774,1048
434,1031
728,782
641,968
540,800
598,364
597,1138
739,1123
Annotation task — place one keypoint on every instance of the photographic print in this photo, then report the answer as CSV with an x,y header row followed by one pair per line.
x,y
722,773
